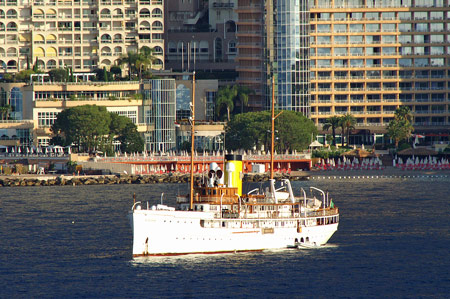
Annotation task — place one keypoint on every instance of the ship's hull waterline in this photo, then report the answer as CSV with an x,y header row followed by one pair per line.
x,y
179,232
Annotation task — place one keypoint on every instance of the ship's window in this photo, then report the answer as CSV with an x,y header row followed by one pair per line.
x,y
223,223
307,239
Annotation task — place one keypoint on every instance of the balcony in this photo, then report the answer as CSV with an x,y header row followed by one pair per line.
x,y
223,5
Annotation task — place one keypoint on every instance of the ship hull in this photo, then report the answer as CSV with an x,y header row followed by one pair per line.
x,y
184,232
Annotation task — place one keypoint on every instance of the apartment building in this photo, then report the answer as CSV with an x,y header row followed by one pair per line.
x,y
43,101
255,53
80,34
364,57
158,107
369,57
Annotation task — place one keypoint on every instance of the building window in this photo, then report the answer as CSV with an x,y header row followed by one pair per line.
x,y
232,47
210,105
218,49
46,119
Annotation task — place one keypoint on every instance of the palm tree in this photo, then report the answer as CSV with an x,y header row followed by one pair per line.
x,y
347,123
403,113
138,61
241,94
399,130
4,111
145,60
130,60
225,98
400,127
333,123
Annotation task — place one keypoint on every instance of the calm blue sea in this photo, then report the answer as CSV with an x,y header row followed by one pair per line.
x,y
393,241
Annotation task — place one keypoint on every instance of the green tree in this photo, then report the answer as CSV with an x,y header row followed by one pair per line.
x,y
58,75
116,71
24,75
36,66
252,129
4,111
241,94
403,113
71,76
123,130
294,131
137,62
400,128
129,60
347,124
105,75
130,139
224,99
87,126
145,60
333,123
228,98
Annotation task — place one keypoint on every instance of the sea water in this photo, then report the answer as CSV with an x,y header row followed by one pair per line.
x,y
393,241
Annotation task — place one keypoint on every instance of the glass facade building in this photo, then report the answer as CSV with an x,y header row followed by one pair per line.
x,y
291,67
274,41
159,114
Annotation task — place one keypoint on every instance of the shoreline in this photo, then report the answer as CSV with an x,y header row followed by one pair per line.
x,y
176,178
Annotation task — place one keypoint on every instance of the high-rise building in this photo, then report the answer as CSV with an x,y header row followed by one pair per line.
x,y
200,36
292,55
254,29
273,41
80,34
363,57
370,57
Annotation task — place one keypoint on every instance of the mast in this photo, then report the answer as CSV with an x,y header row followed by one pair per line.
x,y
273,128
191,206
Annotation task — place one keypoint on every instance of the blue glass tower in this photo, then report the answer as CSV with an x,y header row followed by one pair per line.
x,y
291,65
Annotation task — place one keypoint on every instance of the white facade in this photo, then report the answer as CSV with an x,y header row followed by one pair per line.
x,y
80,34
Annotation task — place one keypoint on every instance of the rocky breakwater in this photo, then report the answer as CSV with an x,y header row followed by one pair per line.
x,y
62,180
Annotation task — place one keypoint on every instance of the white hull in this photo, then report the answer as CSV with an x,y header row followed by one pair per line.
x,y
182,232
